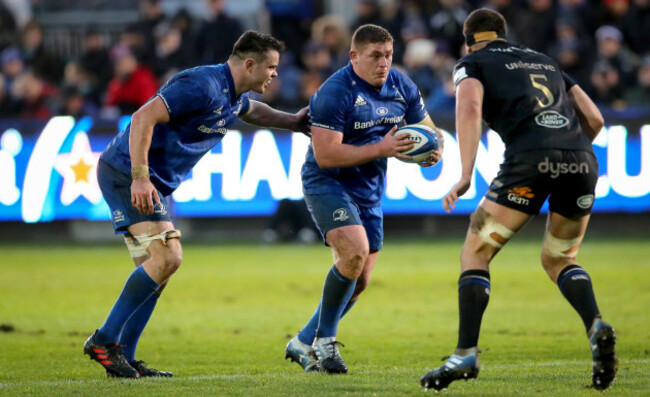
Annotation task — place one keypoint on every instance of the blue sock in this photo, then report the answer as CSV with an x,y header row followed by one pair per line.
x,y
308,332
337,291
137,289
134,327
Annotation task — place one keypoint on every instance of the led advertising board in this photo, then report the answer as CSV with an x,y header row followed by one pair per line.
x,y
49,174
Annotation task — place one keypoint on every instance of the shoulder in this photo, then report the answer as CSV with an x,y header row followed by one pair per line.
x,y
338,86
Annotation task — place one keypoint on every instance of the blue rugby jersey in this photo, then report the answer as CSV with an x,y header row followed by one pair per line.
x,y
346,103
202,105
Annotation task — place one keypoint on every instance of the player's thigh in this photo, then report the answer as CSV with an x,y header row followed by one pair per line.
x,y
573,178
349,243
116,189
331,212
160,239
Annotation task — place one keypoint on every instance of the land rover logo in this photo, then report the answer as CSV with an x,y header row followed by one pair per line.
x,y
585,201
551,119
382,111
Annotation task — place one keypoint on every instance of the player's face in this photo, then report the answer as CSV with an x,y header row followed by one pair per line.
x,y
372,62
265,71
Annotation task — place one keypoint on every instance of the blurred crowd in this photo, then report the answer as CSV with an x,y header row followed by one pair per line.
x,y
603,44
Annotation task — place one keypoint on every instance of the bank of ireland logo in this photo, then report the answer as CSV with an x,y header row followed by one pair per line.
x,y
585,201
382,111
118,216
340,215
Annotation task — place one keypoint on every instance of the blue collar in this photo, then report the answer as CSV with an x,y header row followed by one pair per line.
x,y
231,83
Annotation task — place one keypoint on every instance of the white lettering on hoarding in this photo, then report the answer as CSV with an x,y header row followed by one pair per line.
x,y
11,143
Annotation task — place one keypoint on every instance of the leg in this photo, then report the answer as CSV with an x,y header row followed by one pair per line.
x,y
561,243
491,226
362,281
135,325
165,256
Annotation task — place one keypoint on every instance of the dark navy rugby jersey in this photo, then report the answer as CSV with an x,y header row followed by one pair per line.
x,y
346,103
525,99
202,105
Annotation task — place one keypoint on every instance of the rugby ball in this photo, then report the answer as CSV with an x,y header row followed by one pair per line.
x,y
425,141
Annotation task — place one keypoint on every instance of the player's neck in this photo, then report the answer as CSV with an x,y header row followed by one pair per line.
x,y
238,77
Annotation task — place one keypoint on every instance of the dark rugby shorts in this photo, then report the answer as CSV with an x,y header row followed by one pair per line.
x,y
331,211
116,188
567,178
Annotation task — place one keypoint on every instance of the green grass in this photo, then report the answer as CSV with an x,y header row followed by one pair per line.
x,y
223,322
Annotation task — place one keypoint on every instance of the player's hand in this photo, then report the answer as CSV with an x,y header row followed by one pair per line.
x,y
143,195
436,156
449,202
393,146
303,121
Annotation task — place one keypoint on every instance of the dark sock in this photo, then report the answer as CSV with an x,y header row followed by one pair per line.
x,y
308,332
348,307
575,285
337,291
473,297
137,289
134,327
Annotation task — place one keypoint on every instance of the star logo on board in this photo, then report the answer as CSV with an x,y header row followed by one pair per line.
x,y
79,171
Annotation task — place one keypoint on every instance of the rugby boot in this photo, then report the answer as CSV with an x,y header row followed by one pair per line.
x,y
110,357
329,358
456,367
602,338
144,371
303,354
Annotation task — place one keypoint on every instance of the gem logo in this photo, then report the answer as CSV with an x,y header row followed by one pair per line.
x,y
340,215
520,195
585,201
551,119
382,111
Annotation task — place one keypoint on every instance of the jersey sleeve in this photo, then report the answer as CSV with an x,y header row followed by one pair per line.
x,y
329,107
185,94
245,104
415,110
568,81
464,69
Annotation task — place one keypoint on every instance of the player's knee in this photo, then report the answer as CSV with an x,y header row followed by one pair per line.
x,y
558,253
164,248
488,229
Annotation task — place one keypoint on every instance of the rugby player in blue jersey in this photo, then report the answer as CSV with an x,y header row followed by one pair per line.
x,y
354,117
150,158
547,123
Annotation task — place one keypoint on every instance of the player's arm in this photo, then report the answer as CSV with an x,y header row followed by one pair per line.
x,y
331,152
591,120
143,192
469,104
261,114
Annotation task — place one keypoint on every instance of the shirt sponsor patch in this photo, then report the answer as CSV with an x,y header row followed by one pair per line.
x,y
551,119
460,75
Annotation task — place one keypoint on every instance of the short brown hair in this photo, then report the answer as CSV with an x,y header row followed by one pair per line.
x,y
370,33
256,44
484,20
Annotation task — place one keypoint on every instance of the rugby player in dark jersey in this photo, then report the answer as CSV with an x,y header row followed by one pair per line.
x,y
150,158
547,123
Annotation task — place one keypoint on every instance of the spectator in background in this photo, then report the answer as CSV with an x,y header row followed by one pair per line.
x,y
34,96
290,22
74,104
443,97
573,50
332,32
636,27
135,39
611,48
171,57
7,105
8,27
612,12
217,35
534,26
184,22
607,89
94,68
368,12
36,57
447,24
582,12
152,16
11,62
417,58
132,83
639,95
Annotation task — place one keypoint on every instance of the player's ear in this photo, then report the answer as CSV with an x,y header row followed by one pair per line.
x,y
353,55
249,64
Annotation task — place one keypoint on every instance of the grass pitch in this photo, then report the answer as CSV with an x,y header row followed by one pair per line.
x,y
224,320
